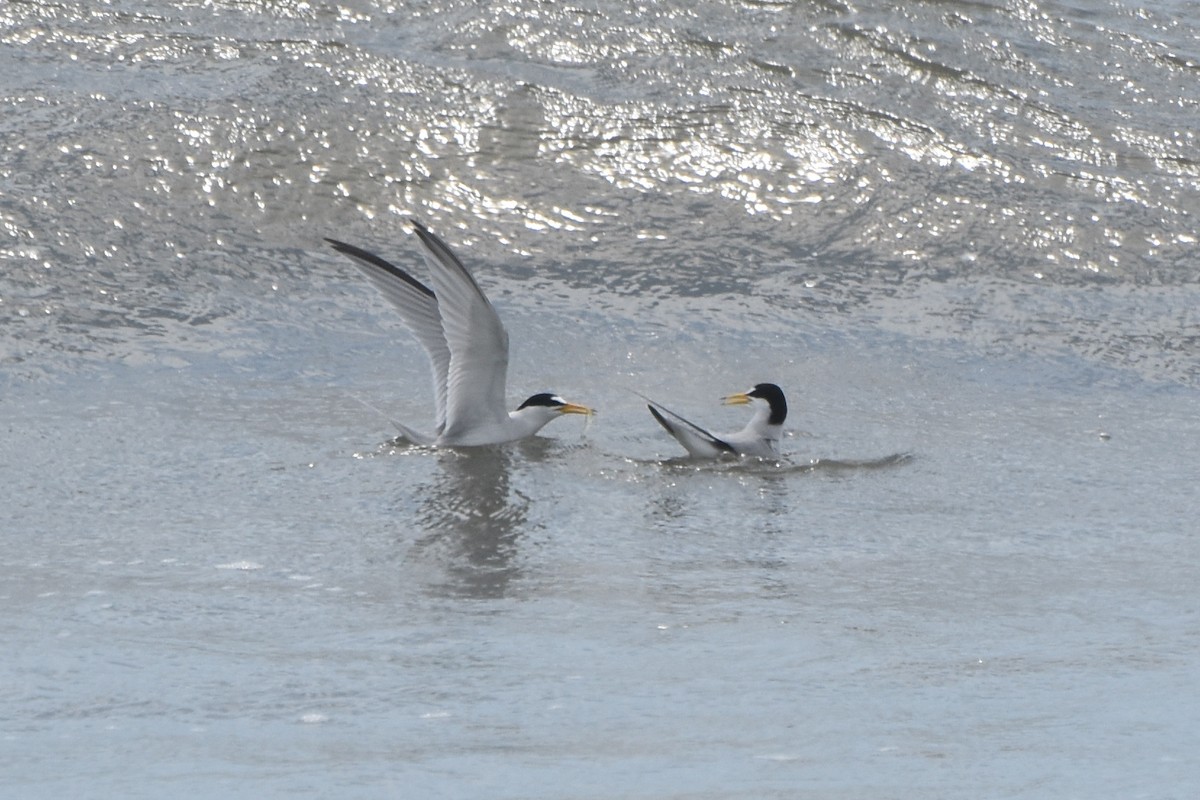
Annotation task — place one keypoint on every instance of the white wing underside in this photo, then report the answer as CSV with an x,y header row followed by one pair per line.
x,y
696,440
462,335
700,443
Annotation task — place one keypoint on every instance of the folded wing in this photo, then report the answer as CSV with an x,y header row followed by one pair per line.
x,y
696,440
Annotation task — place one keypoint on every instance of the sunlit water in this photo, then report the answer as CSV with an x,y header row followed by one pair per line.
x,y
961,236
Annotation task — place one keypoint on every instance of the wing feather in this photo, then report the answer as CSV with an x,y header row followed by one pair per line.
x,y
418,307
696,440
475,337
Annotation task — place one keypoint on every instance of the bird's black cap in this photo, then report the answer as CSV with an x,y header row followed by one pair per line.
x,y
775,399
543,399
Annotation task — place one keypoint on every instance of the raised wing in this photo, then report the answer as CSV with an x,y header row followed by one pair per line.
x,y
418,307
697,441
477,341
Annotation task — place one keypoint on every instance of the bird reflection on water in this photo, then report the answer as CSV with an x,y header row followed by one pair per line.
x,y
472,520
771,479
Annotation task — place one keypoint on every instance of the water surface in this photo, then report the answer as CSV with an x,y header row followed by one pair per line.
x,y
960,235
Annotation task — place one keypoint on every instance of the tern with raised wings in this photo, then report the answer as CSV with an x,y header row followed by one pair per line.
x,y
467,347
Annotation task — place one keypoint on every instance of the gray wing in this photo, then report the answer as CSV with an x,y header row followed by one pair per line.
x,y
418,307
696,440
477,341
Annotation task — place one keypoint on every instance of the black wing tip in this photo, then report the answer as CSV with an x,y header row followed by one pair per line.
x,y
441,251
353,250
428,237
661,419
365,257
418,226
424,233
716,442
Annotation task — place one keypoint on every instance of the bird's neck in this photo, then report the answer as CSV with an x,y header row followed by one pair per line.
x,y
528,421
760,423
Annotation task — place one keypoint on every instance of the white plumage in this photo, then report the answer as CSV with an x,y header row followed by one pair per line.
x,y
761,437
467,347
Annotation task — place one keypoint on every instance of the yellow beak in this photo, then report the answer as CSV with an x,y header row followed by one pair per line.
x,y
739,399
571,408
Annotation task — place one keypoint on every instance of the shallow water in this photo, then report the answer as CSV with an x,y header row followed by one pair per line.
x,y
960,235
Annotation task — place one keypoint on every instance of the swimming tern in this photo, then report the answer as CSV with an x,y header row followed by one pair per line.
x,y
760,437
467,347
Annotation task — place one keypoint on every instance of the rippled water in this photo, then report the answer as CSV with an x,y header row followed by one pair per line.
x,y
961,235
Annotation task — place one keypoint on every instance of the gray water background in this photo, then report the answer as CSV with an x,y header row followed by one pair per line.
x,y
959,233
